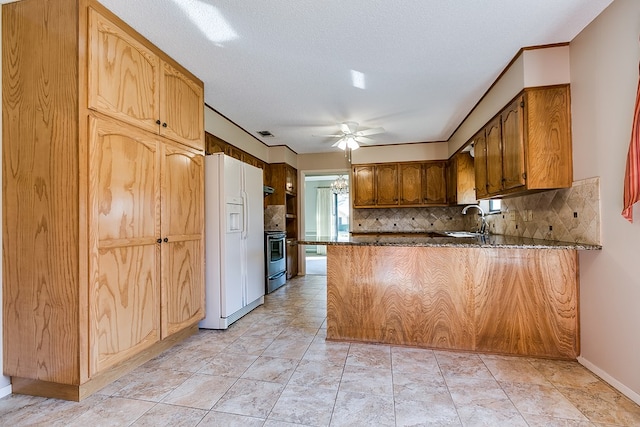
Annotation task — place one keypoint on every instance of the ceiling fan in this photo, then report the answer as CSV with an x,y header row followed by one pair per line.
x,y
351,137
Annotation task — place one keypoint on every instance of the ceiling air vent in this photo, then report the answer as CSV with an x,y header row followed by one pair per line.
x,y
265,133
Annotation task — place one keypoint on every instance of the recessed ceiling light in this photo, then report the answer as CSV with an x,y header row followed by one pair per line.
x,y
265,133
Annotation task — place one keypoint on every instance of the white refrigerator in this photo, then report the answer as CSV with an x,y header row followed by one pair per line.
x,y
234,242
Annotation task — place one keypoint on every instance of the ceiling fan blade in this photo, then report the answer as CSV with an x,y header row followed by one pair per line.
x,y
372,131
335,144
349,127
328,136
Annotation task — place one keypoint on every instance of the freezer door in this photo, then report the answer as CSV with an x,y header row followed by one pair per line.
x,y
254,235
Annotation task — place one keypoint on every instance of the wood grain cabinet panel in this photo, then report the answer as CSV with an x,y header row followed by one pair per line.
x,y
124,199
480,164
386,184
493,134
182,226
90,292
363,183
528,145
513,171
181,107
130,81
410,183
461,180
399,184
123,74
434,183
508,301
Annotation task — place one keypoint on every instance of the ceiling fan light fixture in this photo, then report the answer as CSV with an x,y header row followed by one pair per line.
x,y
342,144
352,143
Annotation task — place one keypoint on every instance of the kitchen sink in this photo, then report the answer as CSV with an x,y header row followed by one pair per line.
x,y
460,234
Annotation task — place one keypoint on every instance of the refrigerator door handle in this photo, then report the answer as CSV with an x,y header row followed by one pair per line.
x,y
245,216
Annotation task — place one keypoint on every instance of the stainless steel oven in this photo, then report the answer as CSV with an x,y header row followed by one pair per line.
x,y
276,259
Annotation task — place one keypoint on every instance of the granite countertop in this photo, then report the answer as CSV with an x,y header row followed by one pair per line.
x,y
432,239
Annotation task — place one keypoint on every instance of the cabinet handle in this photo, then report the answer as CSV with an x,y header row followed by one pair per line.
x,y
159,241
158,121
166,240
164,125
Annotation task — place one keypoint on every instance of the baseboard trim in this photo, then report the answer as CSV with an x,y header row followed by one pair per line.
x,y
5,391
609,379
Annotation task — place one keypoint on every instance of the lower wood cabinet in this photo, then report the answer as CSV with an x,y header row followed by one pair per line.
x,y
146,231
292,258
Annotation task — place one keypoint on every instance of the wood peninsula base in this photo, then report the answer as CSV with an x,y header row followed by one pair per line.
x,y
493,300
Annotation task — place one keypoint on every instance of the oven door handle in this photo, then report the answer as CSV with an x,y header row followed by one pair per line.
x,y
278,275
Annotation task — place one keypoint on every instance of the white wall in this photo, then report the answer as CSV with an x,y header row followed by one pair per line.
x,y
5,383
533,67
604,79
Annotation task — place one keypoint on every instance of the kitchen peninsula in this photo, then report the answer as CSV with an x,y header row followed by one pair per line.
x,y
494,294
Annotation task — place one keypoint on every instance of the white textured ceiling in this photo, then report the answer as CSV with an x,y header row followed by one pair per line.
x,y
286,65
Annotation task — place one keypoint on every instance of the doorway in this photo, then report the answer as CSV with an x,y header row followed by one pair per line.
x,y
326,217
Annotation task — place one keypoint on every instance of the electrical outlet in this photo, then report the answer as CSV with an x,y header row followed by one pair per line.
x,y
512,216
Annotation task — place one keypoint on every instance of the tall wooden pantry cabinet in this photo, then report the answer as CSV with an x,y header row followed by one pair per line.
x,y
103,198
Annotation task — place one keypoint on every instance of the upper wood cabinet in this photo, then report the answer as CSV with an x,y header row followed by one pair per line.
x,y
132,81
461,180
399,184
109,211
386,184
479,142
434,183
411,176
528,145
375,185
363,185
291,179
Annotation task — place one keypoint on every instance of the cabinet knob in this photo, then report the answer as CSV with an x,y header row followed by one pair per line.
x,y
164,125
158,121
159,241
166,239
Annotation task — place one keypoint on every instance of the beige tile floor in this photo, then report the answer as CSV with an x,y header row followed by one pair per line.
x,y
274,368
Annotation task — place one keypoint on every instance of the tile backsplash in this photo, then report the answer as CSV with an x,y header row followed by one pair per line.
x,y
400,220
570,215
274,218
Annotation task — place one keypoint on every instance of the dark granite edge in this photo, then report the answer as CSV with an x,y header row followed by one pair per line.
x,y
492,241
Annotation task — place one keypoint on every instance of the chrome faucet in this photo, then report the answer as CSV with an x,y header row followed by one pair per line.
x,y
483,226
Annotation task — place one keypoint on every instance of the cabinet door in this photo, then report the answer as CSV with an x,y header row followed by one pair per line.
x,y
480,164
363,186
292,259
452,181
465,190
386,184
123,75
291,179
181,108
410,183
513,145
435,183
183,244
124,218
494,156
